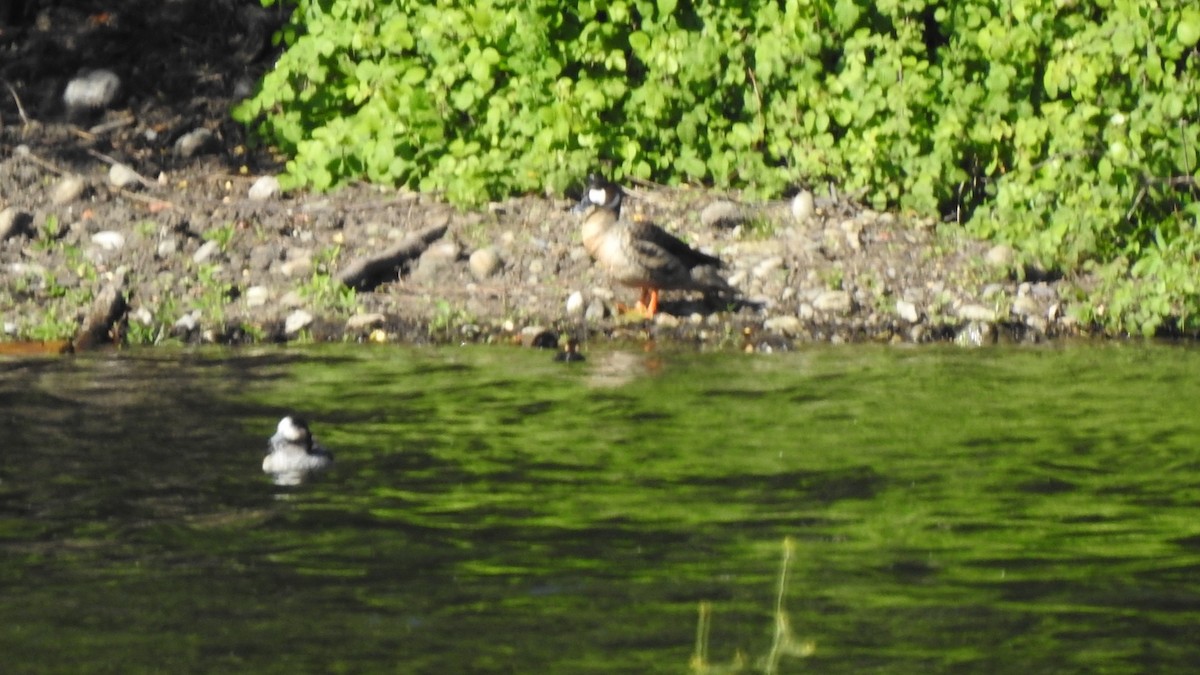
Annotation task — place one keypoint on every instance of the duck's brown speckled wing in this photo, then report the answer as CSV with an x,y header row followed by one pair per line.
x,y
650,236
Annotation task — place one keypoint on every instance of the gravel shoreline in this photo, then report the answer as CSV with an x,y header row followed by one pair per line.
x,y
121,173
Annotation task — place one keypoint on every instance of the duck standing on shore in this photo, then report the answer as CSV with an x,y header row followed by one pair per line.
x,y
643,255
292,452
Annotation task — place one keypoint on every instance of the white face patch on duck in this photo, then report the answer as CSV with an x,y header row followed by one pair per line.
x,y
599,196
293,430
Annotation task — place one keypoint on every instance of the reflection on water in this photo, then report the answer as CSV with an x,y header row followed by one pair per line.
x,y
492,510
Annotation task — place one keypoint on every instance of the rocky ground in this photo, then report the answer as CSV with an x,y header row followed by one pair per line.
x,y
144,189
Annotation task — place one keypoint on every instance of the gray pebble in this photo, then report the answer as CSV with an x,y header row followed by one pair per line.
x,y
595,310
194,142
167,247
722,213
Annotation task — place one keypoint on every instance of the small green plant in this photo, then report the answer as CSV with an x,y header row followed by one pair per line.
x,y
446,319
759,228
323,290
223,235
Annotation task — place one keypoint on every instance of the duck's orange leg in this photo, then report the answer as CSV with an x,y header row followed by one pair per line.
x,y
653,306
648,304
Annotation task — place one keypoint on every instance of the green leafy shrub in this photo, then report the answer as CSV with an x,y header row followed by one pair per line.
x,y
1066,127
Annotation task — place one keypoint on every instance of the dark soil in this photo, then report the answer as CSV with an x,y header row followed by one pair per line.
x,y
196,259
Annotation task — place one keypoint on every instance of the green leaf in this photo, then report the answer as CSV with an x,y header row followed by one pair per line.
x,y
1187,32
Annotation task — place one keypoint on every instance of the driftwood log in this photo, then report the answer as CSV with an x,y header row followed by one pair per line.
x,y
368,271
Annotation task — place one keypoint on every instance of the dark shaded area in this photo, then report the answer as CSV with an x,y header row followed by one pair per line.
x,y
182,64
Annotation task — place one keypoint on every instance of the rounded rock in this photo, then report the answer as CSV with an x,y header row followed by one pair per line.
x,y
195,142
907,311
206,251
722,213
94,90
484,263
109,240
803,207
121,176
257,296
575,303
266,187
68,189
297,321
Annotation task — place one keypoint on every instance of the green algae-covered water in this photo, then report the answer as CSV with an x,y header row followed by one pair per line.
x,y
836,510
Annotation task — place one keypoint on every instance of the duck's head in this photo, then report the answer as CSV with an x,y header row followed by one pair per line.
x,y
601,193
294,429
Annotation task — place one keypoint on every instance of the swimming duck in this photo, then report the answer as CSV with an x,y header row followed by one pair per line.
x,y
292,452
643,255
570,352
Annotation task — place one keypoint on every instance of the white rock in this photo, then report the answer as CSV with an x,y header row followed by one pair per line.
x,y
257,296
68,189
575,303
167,247
907,311
122,176
188,322
266,187
297,321
803,207
92,91
109,240
206,251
